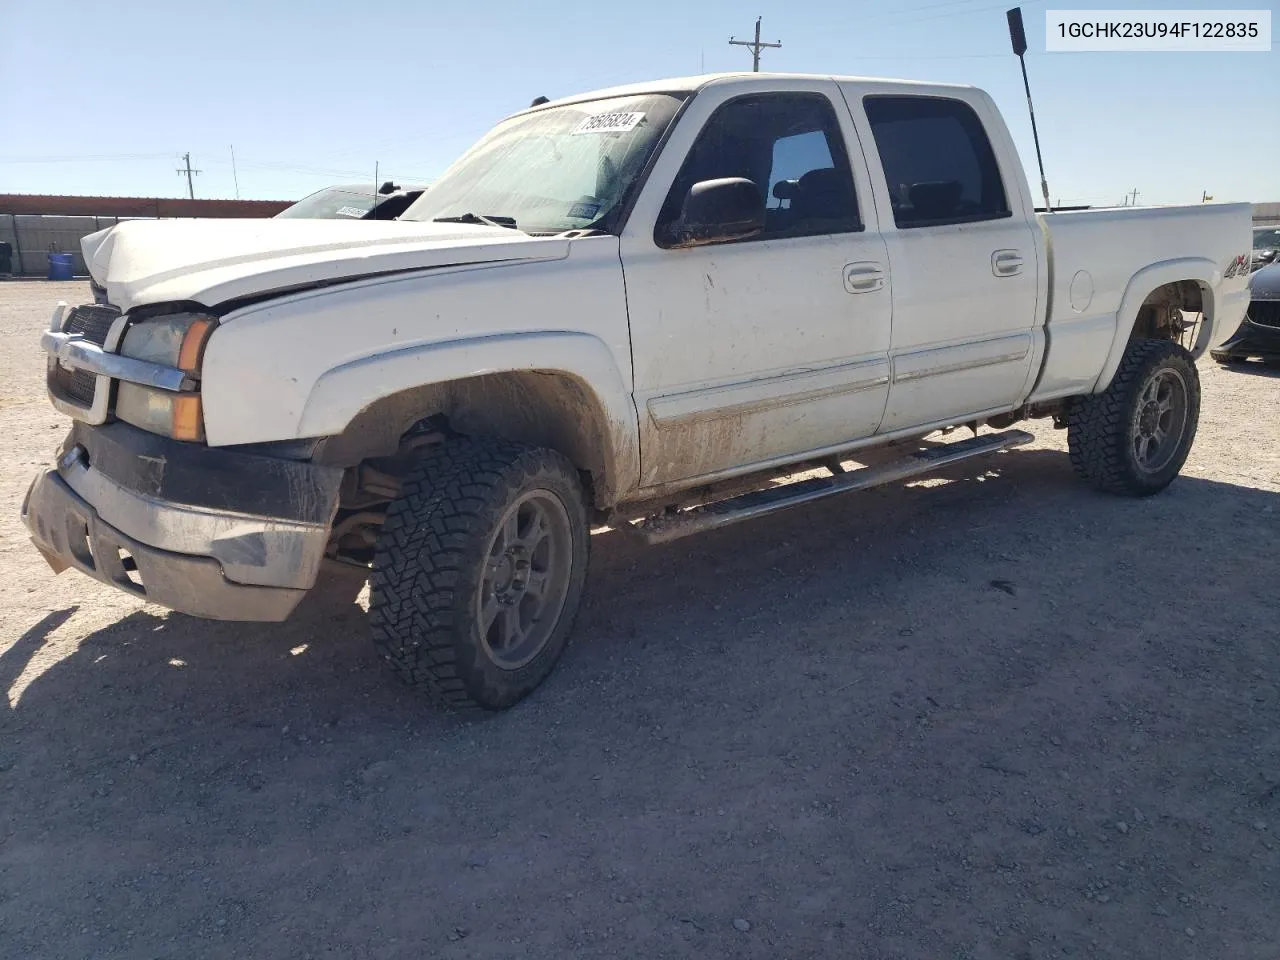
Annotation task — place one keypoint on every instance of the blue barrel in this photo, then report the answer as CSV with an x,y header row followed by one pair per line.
x,y
61,266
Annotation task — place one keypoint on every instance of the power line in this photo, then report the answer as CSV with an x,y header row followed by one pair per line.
x,y
191,189
755,45
87,158
901,17
938,56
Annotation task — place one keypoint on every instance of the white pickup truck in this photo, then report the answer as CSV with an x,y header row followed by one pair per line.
x,y
635,307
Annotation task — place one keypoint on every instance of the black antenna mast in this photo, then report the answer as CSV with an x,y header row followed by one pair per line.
x,y
1018,37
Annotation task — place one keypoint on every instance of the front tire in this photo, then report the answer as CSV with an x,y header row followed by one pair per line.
x,y
479,571
1134,438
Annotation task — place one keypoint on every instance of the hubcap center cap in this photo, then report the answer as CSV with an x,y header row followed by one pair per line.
x,y
511,575
1148,420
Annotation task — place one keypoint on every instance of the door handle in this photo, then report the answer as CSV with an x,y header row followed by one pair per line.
x,y
865,276
1006,263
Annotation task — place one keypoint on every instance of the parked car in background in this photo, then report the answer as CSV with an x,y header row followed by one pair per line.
x,y
354,202
1266,246
1259,332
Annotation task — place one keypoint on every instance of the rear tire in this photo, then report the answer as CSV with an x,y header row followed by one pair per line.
x,y
479,571
1133,438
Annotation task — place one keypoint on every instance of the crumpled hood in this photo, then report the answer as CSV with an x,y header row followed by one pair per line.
x,y
213,261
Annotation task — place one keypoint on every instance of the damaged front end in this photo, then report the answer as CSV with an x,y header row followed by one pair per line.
x,y
137,500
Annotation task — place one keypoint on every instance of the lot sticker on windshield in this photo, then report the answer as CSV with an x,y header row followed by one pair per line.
x,y
609,123
584,210
350,212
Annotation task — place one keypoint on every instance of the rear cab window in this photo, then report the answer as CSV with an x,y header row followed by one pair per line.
x,y
937,159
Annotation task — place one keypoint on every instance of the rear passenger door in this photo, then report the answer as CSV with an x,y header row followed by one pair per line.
x,y
964,265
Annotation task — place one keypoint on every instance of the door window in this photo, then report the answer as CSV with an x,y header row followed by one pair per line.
x,y
937,161
787,144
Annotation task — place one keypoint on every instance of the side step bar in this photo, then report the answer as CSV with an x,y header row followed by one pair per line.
x,y
721,513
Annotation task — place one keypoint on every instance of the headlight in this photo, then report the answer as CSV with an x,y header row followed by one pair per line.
x,y
175,341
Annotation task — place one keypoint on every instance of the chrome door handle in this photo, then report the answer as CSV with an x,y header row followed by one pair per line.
x,y
865,276
1006,263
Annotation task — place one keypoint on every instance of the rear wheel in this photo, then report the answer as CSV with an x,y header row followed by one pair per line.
x,y
1134,438
479,571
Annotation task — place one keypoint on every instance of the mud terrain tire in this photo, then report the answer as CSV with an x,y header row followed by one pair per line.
x,y
479,570
1134,438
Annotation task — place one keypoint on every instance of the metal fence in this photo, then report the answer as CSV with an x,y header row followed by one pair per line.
x,y
36,225
34,238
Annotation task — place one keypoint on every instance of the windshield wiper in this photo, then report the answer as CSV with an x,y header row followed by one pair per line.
x,y
476,218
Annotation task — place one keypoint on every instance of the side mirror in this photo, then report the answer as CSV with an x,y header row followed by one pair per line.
x,y
730,208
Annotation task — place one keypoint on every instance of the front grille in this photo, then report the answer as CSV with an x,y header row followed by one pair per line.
x,y
75,385
1265,312
91,321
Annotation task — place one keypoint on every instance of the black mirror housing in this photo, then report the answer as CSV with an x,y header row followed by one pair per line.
x,y
729,208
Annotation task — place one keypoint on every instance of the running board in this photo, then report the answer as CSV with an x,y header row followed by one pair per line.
x,y
711,516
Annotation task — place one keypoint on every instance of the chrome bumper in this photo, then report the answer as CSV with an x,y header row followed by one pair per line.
x,y
77,353
211,533
87,347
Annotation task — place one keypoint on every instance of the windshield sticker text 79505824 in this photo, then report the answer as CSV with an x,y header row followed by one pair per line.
x,y
350,212
609,123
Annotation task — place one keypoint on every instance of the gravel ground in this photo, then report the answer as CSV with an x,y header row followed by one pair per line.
x,y
987,715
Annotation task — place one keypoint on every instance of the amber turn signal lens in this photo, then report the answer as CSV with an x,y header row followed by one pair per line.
x,y
193,343
188,418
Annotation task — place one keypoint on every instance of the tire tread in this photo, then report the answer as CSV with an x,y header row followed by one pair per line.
x,y
450,500
1097,425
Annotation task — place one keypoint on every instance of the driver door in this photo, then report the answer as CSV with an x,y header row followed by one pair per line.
x,y
752,351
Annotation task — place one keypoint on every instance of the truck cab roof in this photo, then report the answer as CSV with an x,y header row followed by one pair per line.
x,y
748,81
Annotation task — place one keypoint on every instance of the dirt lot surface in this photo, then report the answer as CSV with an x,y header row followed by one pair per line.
x,y
989,715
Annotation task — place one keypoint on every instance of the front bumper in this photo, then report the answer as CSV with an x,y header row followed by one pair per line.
x,y
212,533
1251,339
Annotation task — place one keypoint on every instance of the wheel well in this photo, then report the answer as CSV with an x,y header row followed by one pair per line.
x,y
1164,314
547,409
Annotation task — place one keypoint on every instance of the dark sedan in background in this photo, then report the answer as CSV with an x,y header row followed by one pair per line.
x,y
1259,333
1266,246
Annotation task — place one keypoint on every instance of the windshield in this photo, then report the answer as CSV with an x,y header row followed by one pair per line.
x,y
1267,239
331,204
563,168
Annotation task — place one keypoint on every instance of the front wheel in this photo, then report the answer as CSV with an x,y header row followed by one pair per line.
x,y
1134,437
479,571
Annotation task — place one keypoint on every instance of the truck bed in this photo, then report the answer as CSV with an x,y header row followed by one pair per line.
x,y
1094,255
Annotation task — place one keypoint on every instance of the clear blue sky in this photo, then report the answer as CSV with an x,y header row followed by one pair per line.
x,y
104,97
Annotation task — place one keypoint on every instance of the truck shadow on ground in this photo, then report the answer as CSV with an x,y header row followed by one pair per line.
x,y
1255,367
832,706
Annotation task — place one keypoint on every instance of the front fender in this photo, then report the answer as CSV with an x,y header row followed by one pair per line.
x,y
344,391
1142,285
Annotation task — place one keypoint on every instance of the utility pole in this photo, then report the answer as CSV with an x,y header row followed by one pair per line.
x,y
1134,194
755,45
186,168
